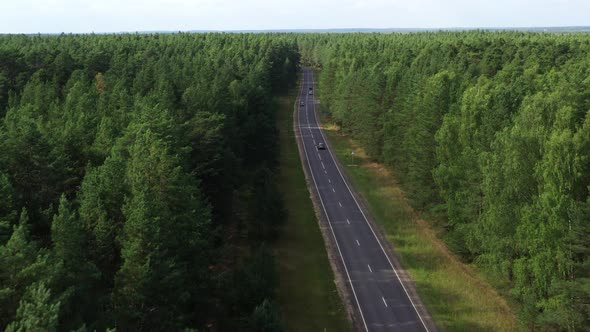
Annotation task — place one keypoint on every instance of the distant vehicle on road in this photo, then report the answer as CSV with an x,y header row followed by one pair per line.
x,y
321,146
301,104
311,92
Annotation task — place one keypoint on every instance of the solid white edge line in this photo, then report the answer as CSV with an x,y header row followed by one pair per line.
x,y
328,217
368,223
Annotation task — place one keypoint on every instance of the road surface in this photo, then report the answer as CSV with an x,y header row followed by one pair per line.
x,y
382,301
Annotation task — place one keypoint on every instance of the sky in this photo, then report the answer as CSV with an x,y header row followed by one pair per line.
x,y
85,16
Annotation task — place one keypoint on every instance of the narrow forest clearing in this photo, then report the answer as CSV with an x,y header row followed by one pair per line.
x,y
307,293
456,296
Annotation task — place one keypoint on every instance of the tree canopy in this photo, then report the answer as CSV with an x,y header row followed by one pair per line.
x,y
488,132
127,163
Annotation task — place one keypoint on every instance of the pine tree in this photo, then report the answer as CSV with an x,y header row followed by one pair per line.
x,y
36,311
101,199
7,213
75,276
266,318
18,258
31,162
161,249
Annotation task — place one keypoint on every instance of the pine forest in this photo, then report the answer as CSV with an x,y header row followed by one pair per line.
x,y
138,185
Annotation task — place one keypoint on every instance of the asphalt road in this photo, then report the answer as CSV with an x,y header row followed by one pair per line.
x,y
381,298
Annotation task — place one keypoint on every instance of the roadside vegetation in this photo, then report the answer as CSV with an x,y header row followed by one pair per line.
x,y
455,294
488,135
307,292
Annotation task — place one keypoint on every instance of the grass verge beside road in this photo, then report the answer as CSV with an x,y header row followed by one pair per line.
x,y
307,292
455,294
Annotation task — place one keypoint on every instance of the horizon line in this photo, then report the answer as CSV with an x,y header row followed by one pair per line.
x,y
406,29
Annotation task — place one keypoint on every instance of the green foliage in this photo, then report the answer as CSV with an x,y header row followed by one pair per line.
x,y
36,312
266,318
489,131
130,154
20,268
32,164
250,285
72,275
269,208
166,223
7,204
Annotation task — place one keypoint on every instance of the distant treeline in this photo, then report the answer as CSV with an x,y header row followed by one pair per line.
x,y
490,132
137,181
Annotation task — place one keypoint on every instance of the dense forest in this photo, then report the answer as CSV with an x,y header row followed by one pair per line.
x,y
137,172
489,134
137,181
